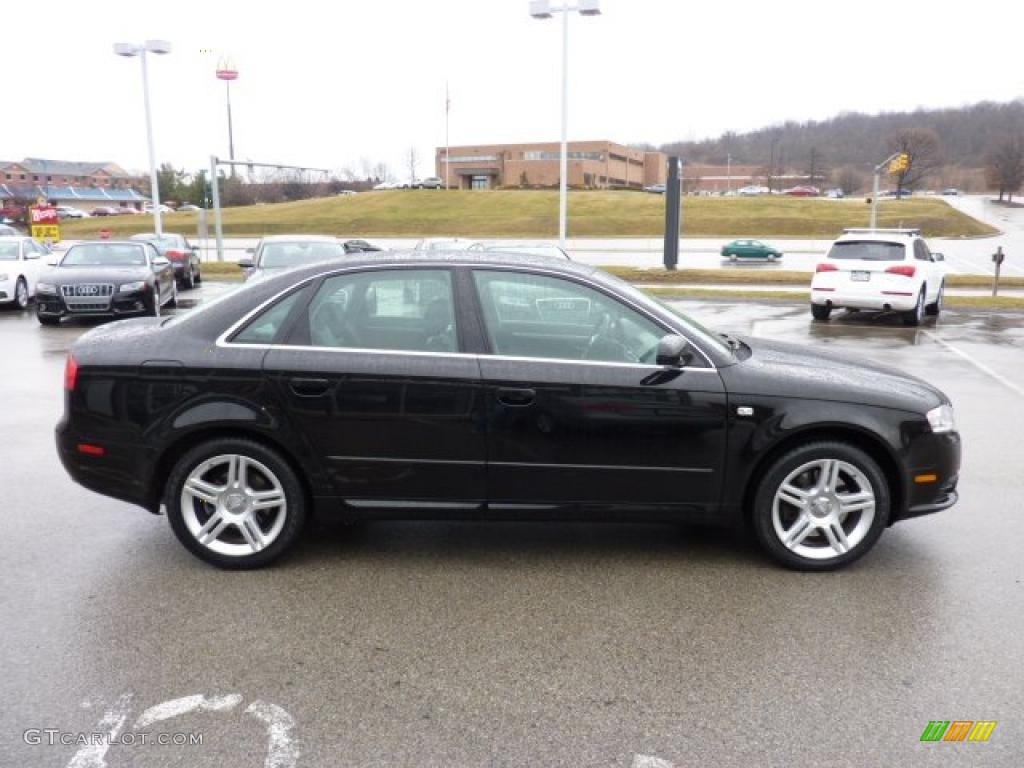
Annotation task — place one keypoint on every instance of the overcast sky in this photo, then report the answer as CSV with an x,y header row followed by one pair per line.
x,y
329,82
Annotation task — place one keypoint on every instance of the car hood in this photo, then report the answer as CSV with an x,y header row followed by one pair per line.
x,y
779,369
78,275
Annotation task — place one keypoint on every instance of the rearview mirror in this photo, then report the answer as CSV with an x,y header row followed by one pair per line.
x,y
673,351
245,262
938,257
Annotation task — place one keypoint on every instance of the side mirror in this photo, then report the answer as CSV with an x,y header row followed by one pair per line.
x,y
160,262
246,262
673,351
938,257
52,261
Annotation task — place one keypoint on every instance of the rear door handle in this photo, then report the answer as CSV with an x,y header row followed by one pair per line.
x,y
516,398
309,387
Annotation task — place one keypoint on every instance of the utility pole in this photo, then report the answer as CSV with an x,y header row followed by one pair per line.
x,y
891,163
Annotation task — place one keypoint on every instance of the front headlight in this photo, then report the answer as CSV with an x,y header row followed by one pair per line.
x,y
941,419
132,287
46,288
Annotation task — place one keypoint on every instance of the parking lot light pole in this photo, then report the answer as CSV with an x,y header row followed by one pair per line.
x,y
130,49
541,9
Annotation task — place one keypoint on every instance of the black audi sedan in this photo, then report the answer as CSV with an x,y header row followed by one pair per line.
x,y
106,278
483,386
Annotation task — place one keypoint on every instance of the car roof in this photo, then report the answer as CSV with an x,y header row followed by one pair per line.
x,y
878,237
299,239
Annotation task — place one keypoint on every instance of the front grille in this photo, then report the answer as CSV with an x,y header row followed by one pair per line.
x,y
87,297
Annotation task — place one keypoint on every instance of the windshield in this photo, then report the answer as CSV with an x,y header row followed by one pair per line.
x,y
867,250
278,255
695,329
105,255
9,250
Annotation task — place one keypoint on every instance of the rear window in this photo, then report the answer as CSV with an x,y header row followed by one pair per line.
x,y
867,250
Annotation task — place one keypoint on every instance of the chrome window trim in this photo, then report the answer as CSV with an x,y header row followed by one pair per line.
x,y
223,343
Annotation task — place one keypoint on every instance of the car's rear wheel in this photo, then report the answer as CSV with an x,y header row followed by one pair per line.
x,y
916,315
188,279
821,311
732,257
821,506
235,503
935,307
173,301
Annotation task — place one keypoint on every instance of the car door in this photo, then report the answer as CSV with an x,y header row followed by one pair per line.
x,y
578,415
372,375
934,271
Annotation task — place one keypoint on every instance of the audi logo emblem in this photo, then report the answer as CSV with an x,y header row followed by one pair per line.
x,y
88,290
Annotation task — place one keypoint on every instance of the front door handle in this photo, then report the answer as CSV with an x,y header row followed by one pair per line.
x,y
516,398
309,387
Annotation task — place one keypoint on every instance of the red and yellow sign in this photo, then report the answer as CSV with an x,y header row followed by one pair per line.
x,y
45,223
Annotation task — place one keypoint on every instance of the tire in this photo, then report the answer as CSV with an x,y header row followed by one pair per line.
x,y
20,294
188,280
935,307
47,320
798,523
198,272
173,301
732,257
914,317
236,544
155,311
821,311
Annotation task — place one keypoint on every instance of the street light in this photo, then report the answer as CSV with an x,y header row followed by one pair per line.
x,y
129,50
541,9
227,71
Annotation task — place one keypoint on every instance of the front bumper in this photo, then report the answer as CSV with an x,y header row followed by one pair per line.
x,y
935,455
119,305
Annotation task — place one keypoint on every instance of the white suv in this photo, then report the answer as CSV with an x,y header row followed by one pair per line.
x,y
884,269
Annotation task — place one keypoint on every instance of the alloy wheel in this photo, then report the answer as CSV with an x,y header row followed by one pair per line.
x,y
823,509
233,505
21,294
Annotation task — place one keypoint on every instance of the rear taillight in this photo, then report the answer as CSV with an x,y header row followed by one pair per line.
x,y
906,271
176,255
70,373
826,267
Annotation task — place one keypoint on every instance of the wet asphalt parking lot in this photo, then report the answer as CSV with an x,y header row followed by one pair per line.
x,y
469,644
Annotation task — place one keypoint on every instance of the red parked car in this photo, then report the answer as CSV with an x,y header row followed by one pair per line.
x,y
802,191
182,255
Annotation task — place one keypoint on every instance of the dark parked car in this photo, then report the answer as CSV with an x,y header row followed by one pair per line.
x,y
488,387
278,252
182,255
111,278
104,210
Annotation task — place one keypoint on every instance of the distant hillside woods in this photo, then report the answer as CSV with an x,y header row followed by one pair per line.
x,y
968,140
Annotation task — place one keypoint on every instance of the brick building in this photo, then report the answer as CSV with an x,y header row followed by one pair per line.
x,y
62,182
592,164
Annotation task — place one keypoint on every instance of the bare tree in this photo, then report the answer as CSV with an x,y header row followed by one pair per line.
x,y
366,167
1005,168
412,164
815,166
924,156
381,172
849,179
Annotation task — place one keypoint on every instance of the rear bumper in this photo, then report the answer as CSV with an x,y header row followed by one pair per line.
x,y
119,473
902,300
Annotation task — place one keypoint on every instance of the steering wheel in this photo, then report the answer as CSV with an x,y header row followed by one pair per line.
x,y
606,343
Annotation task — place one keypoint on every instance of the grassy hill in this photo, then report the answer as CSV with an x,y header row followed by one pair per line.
x,y
534,214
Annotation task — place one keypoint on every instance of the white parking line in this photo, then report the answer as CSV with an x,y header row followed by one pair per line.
x,y
646,761
976,363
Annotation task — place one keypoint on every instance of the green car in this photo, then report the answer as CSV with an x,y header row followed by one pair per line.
x,y
749,249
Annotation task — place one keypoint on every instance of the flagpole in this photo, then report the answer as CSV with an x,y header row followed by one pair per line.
x,y
447,110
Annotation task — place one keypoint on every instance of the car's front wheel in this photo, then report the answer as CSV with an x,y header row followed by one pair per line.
x,y
820,506
21,294
935,307
235,503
